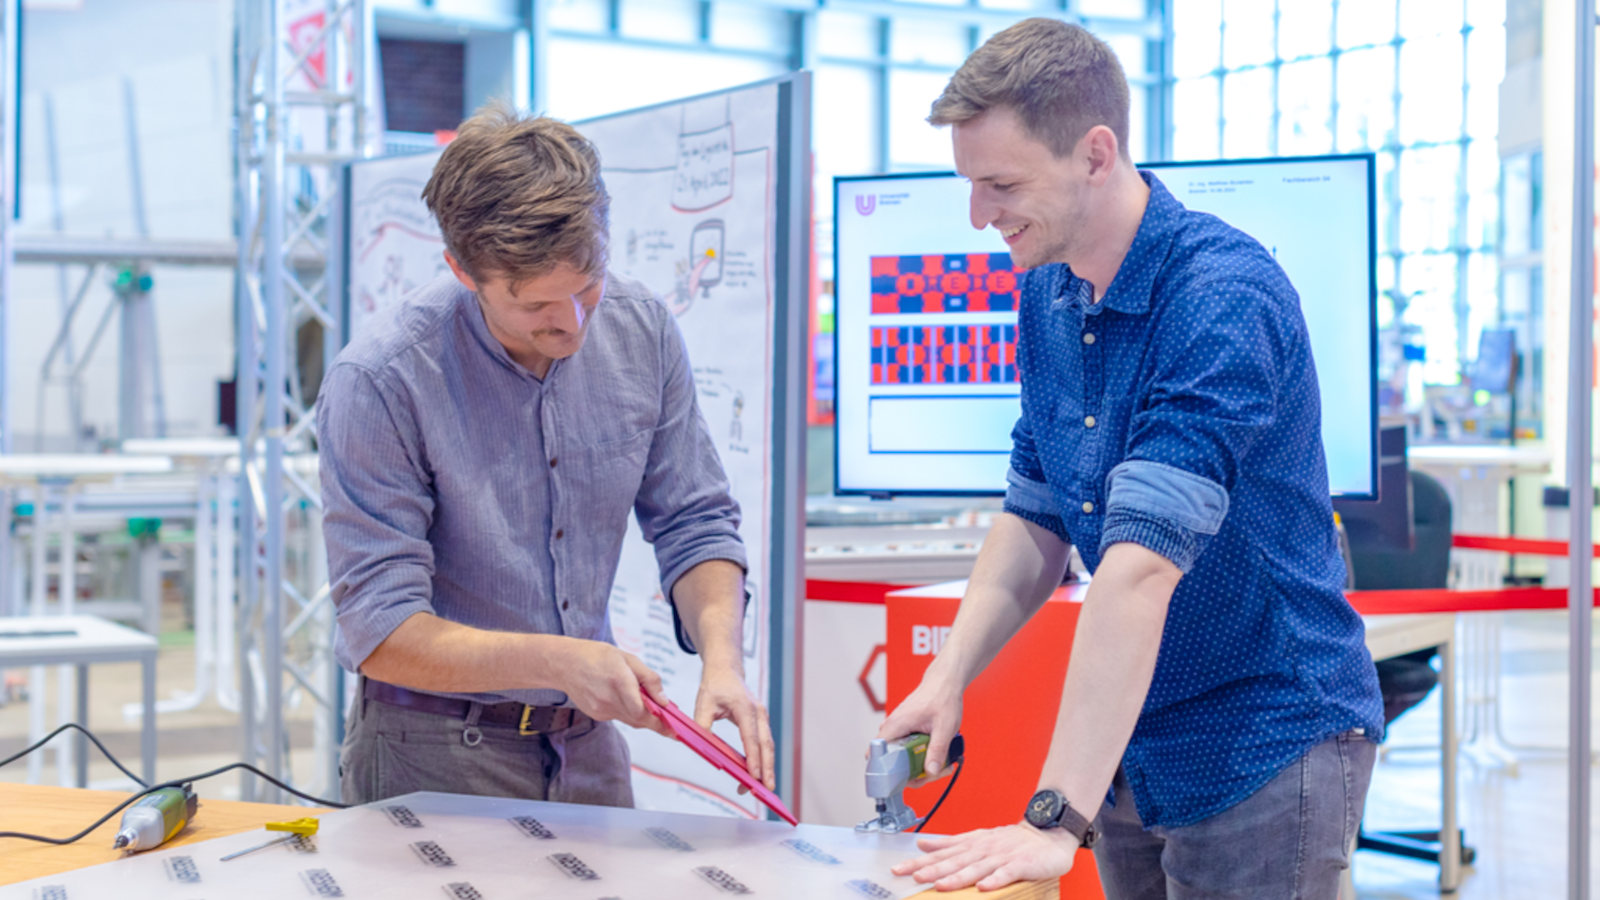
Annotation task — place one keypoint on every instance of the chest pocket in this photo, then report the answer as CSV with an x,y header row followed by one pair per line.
x,y
613,471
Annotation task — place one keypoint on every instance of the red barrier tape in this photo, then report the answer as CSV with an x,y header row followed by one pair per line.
x,y
849,591
1524,546
1444,601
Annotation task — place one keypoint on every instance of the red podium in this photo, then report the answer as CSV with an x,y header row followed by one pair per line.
x,y
1008,715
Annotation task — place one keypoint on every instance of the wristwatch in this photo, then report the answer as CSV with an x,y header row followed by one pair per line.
x,y
1049,809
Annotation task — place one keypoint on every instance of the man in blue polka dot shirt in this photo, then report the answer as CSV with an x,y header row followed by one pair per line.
x,y
1218,720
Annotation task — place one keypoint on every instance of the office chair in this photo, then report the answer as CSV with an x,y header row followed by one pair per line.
x,y
1406,679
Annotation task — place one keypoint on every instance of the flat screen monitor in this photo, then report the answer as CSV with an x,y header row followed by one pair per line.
x,y
925,317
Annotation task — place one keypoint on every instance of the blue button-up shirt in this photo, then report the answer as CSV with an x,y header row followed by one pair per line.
x,y
1181,413
456,483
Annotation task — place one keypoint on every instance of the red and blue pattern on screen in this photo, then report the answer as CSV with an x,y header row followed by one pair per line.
x,y
944,283
944,354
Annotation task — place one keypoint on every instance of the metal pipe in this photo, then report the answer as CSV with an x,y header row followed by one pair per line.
x,y
1580,457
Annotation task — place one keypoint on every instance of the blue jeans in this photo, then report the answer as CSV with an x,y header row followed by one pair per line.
x,y
1290,839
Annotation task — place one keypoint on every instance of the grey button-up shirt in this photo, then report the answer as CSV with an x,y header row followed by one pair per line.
x,y
454,482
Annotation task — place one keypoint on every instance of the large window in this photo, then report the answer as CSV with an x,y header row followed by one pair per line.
x,y
1415,81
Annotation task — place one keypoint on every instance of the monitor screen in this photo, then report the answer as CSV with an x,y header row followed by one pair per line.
x,y
925,317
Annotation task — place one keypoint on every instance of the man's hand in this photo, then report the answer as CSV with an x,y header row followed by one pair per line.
x,y
604,683
723,695
934,708
992,858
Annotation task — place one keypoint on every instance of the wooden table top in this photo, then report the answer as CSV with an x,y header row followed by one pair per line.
x,y
49,810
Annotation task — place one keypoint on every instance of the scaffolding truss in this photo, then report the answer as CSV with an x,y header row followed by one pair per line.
x,y
301,113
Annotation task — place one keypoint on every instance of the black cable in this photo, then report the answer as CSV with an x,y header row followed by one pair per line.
x,y
947,788
148,789
49,737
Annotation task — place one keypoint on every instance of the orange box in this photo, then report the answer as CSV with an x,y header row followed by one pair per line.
x,y
1008,713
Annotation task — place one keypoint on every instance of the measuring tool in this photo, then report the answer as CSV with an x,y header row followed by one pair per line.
x,y
296,828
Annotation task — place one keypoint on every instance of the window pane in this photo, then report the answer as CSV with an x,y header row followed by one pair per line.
x,y
848,145
1130,50
1385,290
1305,97
1114,9
1019,5
1247,33
578,15
1196,37
1194,114
1430,101
1304,29
928,41
661,20
1138,106
1366,99
1428,197
1388,202
1521,220
1364,22
753,27
1247,113
913,143
1483,196
1428,282
1488,12
1426,19
1483,296
846,34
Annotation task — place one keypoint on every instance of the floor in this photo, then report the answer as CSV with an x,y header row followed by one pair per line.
x,y
1515,819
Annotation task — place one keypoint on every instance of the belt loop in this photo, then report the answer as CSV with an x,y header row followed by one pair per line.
x,y
471,735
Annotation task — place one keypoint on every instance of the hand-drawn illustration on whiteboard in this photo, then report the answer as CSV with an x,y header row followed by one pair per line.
x,y
394,243
693,200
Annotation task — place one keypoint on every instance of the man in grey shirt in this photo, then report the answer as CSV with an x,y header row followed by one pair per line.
x,y
480,451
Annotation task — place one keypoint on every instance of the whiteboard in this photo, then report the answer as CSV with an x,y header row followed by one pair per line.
x,y
709,209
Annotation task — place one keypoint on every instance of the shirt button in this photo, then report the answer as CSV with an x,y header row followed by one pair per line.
x,y
1088,338
565,604
1088,421
1088,507
560,533
552,462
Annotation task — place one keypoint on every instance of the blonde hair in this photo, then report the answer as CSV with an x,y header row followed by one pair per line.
x,y
1059,79
518,195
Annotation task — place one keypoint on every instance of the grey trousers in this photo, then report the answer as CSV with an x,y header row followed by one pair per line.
x,y
1290,839
389,750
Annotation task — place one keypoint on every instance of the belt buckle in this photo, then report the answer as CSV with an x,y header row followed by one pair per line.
x,y
522,727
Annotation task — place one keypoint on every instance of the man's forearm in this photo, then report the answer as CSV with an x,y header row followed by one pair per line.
x,y
1018,567
433,654
1108,676
710,601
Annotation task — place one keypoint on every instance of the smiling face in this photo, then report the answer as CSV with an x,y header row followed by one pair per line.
x,y
1037,201
539,319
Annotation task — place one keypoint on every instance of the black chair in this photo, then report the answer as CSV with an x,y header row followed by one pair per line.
x,y
1406,679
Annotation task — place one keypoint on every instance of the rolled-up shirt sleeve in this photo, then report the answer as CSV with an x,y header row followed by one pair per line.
x,y
1028,495
685,506
377,509
1214,392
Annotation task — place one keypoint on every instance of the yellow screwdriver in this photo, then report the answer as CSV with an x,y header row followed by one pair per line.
x,y
296,828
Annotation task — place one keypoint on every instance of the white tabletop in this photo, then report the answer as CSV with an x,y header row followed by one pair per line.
x,y
29,640
1530,458
29,467
206,448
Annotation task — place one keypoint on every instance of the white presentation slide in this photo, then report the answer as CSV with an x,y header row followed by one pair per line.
x,y
926,378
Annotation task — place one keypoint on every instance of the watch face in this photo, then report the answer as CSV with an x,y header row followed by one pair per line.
x,y
1044,810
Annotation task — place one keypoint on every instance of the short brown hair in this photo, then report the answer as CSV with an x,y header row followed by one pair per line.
x,y
1060,79
518,195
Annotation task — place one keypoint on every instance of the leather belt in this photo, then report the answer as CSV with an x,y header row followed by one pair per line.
x,y
529,720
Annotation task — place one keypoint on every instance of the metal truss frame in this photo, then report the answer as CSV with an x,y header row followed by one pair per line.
x,y
300,101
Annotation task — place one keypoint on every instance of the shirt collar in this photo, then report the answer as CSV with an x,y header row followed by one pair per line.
x,y
1130,288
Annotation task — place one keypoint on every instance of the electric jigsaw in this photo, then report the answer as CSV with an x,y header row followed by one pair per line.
x,y
891,765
